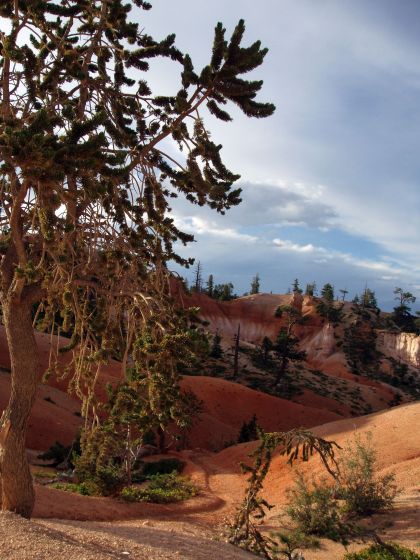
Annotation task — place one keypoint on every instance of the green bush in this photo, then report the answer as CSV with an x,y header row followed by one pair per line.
x,y
314,510
109,479
87,488
391,551
364,492
161,489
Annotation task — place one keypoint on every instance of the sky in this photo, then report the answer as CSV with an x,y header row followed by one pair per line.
x,y
331,180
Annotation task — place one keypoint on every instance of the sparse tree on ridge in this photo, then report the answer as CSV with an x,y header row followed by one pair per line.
x,y
296,288
286,348
198,278
255,285
344,293
210,286
85,227
327,292
401,314
310,289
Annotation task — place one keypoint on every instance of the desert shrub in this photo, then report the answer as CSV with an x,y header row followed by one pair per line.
x,y
286,544
109,479
363,491
161,489
390,551
87,488
314,509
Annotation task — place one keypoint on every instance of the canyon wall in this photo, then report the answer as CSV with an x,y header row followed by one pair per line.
x,y
402,346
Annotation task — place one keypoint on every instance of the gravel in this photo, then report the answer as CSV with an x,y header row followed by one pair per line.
x,y
21,539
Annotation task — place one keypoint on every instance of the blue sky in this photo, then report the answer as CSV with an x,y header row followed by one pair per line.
x,y
331,181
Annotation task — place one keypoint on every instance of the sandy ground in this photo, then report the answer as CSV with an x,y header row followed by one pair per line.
x,y
79,527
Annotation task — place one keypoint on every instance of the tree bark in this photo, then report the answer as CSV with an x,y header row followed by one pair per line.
x,y
17,492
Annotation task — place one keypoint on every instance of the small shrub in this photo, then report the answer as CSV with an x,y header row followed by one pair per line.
x,y
87,488
362,490
161,489
286,544
314,510
390,551
109,480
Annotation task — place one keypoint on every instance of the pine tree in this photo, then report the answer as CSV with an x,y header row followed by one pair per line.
x,y
327,292
216,349
210,286
86,228
296,288
255,285
310,289
286,348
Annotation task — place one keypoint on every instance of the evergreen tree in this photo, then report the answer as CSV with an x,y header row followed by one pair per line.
x,y
216,348
401,315
210,286
296,288
224,292
310,289
249,430
368,299
255,285
86,228
286,349
266,347
327,292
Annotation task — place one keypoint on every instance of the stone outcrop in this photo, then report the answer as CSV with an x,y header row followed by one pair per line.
x,y
402,346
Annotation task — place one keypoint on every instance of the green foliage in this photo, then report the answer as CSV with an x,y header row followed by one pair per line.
x,y
216,348
388,551
359,345
255,285
286,349
363,491
285,544
244,531
324,510
296,288
87,488
163,466
330,310
327,292
210,286
249,430
310,289
401,316
224,292
161,489
314,510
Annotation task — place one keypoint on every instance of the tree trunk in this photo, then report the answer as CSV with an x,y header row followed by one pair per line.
x,y
17,492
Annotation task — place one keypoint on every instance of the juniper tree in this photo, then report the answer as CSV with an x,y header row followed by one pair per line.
x,y
85,188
